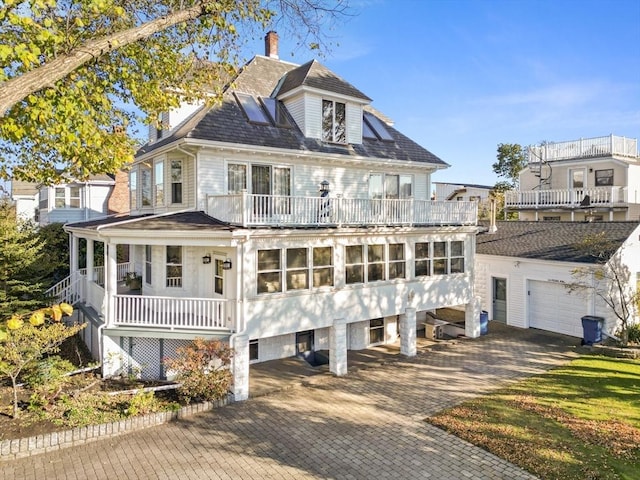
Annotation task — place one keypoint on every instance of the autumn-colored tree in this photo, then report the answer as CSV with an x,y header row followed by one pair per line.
x,y
23,343
202,368
609,279
74,74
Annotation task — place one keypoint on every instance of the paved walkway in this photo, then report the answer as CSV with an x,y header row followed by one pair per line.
x,y
369,424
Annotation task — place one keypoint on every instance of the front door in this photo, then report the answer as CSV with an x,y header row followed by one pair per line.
x,y
500,299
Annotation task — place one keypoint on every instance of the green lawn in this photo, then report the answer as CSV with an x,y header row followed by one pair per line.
x,y
581,421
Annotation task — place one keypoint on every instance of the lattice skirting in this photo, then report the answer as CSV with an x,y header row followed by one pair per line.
x,y
142,357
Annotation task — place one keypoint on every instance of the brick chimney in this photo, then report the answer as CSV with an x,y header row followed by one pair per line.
x,y
118,201
271,45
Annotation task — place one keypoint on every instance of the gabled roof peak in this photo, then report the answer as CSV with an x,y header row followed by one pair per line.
x,y
315,75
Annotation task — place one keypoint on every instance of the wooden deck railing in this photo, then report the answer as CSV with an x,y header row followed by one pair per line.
x,y
571,197
277,210
173,312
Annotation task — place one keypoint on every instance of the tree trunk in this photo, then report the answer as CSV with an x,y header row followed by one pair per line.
x,y
16,412
18,88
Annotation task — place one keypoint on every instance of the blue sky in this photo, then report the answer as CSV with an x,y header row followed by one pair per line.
x,y
461,76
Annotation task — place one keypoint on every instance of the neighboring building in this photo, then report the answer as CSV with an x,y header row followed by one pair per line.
x,y
289,218
593,179
71,202
25,197
462,192
522,268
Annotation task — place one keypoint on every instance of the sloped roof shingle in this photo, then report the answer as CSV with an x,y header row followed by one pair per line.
x,y
556,241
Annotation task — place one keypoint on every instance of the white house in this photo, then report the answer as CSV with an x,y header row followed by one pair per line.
x,y
596,179
72,201
462,191
288,219
522,270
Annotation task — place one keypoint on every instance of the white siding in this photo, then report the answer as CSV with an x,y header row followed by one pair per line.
x,y
313,116
354,123
421,186
296,108
318,308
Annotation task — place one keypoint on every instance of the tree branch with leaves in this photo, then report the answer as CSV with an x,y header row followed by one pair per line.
x,y
609,279
76,76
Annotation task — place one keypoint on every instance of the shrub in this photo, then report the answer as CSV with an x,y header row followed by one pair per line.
x,y
633,332
202,368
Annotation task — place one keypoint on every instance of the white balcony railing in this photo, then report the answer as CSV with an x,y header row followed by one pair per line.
x,y
571,197
584,148
173,312
276,210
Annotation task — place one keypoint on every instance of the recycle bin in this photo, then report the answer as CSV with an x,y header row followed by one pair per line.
x,y
484,322
591,329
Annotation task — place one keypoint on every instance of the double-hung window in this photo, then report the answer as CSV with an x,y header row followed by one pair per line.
x,y
354,264
174,266
440,258
322,266
457,257
396,261
159,183
236,177
375,263
422,259
297,268
269,271
133,189
334,122
145,184
67,197
176,181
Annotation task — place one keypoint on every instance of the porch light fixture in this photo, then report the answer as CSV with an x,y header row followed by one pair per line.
x,y
206,259
226,265
324,186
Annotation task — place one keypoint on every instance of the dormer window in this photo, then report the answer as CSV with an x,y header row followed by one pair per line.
x,y
334,122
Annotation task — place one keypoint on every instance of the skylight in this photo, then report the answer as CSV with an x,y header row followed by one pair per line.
x,y
252,109
277,112
367,131
378,127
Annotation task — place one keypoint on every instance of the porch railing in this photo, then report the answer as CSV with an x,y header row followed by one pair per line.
x,y
584,148
275,210
172,312
573,197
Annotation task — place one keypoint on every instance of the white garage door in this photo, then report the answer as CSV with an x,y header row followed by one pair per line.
x,y
552,308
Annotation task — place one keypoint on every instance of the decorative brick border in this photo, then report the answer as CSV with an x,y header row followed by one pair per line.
x,y
49,442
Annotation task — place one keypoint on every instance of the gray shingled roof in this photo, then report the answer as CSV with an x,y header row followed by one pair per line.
x,y
176,221
549,240
315,75
227,123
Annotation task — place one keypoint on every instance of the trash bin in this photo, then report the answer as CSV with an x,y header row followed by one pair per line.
x,y
591,329
484,322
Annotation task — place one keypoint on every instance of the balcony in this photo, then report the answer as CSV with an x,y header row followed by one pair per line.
x,y
584,148
249,210
566,198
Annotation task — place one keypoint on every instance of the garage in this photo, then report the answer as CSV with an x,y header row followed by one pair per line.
x,y
552,308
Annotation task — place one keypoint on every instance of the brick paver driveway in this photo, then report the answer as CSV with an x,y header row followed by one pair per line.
x,y
368,425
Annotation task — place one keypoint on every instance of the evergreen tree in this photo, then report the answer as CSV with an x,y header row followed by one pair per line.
x,y
20,252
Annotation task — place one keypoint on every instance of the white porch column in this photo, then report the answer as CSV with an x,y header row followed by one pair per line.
x,y
240,367
408,332
110,282
472,318
74,249
338,347
89,277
